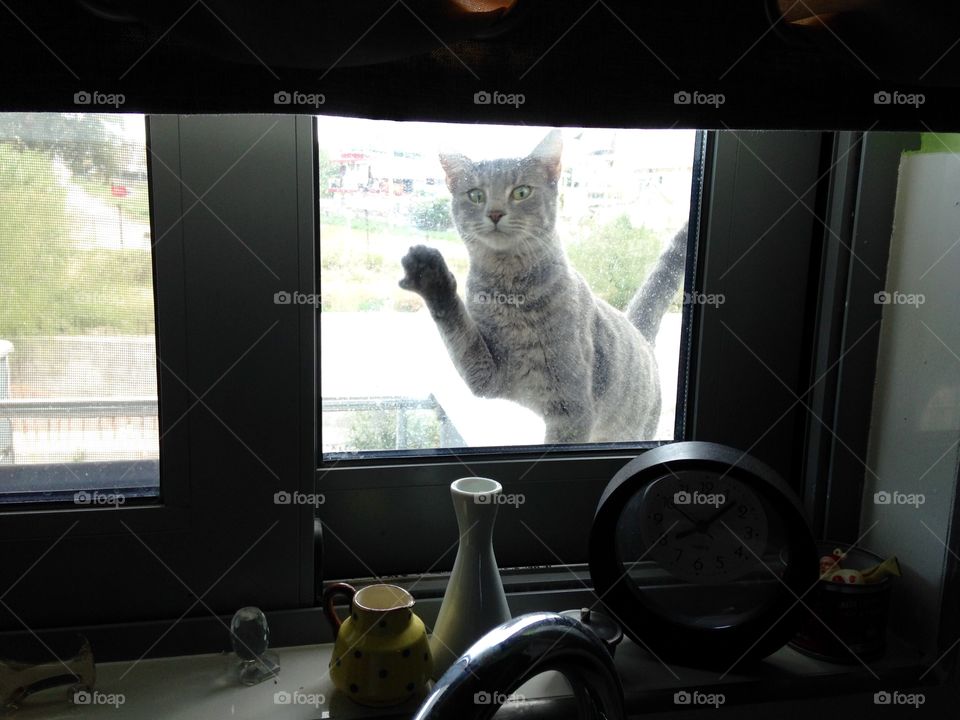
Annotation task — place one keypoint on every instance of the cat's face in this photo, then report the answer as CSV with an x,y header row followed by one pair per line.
x,y
508,206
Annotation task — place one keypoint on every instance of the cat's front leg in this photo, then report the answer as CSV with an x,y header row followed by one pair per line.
x,y
567,429
427,274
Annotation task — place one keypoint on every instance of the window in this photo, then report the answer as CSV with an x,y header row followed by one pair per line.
x,y
734,207
78,373
240,336
230,408
387,380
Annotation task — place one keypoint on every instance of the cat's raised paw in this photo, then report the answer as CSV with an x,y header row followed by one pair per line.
x,y
426,273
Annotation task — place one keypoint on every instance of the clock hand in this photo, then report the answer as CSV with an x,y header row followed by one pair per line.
x,y
704,524
720,513
700,528
674,506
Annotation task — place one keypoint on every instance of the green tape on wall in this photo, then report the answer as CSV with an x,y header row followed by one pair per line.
x,y
939,142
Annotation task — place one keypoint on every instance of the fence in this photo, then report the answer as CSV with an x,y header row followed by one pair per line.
x,y
77,428
449,437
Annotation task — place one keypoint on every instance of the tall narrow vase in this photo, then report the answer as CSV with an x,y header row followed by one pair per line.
x,y
474,601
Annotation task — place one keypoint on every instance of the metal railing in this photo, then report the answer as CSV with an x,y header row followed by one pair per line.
x,y
81,407
449,436
47,419
50,420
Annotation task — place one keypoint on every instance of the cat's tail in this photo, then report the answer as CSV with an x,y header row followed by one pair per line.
x,y
648,305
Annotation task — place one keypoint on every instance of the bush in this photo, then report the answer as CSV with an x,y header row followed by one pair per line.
x,y
615,258
373,261
432,215
50,285
378,430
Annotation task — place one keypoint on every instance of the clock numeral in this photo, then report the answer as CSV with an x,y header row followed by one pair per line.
x,y
679,553
698,565
739,552
720,564
749,532
742,511
658,518
663,541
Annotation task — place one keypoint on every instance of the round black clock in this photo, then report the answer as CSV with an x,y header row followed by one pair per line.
x,y
701,553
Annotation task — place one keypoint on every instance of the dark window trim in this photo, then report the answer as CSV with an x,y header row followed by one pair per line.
x,y
406,499
855,237
213,300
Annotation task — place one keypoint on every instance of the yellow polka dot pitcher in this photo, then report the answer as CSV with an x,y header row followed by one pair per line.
x,y
381,655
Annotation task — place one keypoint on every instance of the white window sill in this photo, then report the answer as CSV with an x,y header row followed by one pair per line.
x,y
199,687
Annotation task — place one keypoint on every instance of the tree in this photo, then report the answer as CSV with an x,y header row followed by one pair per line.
x,y
89,144
48,285
432,214
327,170
33,255
615,258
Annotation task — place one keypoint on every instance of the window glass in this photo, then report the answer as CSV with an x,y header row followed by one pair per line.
x,y
78,375
547,236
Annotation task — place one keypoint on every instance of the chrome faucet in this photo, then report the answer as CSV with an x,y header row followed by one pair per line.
x,y
512,653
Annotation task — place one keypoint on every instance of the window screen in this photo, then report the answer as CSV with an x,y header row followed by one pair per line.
x,y
78,370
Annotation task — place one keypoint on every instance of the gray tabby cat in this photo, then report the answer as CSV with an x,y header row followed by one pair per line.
x,y
531,330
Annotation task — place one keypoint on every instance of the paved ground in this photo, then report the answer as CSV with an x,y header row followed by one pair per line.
x,y
101,224
386,354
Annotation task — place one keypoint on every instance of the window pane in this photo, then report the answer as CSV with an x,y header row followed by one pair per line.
x,y
548,236
78,376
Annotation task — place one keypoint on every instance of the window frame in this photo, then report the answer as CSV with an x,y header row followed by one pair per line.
x,y
213,493
406,496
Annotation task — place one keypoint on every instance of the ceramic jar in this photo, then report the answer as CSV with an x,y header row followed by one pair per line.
x,y
381,655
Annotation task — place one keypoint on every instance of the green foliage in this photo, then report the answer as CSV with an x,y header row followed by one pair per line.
x,y
432,214
615,258
378,430
31,246
327,171
49,285
85,142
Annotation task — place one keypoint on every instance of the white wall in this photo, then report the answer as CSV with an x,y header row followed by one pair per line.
x,y
915,428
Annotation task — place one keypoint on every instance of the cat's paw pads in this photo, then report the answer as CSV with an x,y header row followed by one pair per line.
x,y
426,273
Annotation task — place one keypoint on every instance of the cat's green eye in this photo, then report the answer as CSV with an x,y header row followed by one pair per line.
x,y
521,192
475,196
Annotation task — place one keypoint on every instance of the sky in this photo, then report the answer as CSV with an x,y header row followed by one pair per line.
x,y
651,148
647,148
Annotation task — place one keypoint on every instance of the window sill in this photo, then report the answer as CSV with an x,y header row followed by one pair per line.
x,y
203,686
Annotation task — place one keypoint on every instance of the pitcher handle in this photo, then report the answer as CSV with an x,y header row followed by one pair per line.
x,y
331,593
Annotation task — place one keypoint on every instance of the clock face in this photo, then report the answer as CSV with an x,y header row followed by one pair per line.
x,y
701,553
702,527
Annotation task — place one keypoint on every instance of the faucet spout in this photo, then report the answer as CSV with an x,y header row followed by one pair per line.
x,y
510,654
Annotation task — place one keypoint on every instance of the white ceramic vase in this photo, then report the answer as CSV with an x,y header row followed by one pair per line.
x,y
474,601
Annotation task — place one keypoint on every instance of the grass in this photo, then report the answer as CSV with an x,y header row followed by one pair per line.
x,y
360,263
49,285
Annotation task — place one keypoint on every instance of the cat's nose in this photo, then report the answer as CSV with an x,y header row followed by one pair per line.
x,y
495,215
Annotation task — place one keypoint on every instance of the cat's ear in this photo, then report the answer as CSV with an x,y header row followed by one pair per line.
x,y
547,153
454,166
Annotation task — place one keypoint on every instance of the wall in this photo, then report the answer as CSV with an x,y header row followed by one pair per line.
x,y
916,419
